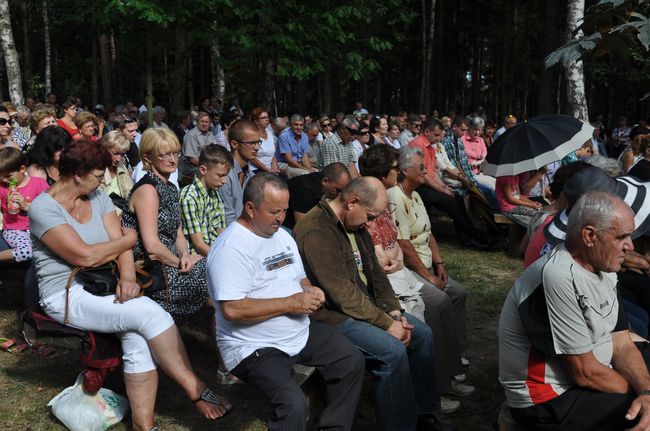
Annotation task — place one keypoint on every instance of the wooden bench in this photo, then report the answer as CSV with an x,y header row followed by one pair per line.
x,y
516,233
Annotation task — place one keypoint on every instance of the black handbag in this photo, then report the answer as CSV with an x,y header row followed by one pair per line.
x,y
154,271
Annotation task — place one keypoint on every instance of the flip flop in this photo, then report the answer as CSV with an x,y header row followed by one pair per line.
x,y
209,396
44,351
7,344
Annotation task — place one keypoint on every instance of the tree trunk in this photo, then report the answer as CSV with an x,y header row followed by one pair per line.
x,y
575,77
190,81
48,49
423,71
547,76
94,82
218,73
105,59
27,55
10,54
269,85
327,92
2,76
179,73
149,78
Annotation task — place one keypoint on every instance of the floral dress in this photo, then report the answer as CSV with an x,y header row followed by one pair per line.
x,y
187,292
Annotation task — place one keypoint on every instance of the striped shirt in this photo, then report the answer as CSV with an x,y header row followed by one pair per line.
x,y
202,212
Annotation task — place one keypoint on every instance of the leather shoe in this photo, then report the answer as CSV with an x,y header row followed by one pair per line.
x,y
433,423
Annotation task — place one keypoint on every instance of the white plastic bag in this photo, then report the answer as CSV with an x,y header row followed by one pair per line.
x,y
80,411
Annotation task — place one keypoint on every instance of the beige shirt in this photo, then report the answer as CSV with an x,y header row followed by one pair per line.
x,y
412,221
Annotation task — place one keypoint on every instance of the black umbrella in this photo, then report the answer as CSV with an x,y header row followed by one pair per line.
x,y
533,144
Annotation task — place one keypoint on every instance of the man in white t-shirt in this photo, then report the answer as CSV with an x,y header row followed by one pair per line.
x,y
263,301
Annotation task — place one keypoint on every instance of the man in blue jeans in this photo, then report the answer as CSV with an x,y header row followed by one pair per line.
x,y
338,256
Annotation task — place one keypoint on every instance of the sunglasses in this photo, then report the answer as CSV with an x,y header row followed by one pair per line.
x,y
352,131
363,133
4,121
325,125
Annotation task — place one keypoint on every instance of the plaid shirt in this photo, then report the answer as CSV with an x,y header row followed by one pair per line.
x,y
334,150
456,153
202,212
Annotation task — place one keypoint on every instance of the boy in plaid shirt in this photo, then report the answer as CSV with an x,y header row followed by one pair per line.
x,y
202,208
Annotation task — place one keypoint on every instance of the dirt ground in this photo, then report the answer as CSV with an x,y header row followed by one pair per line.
x,y
28,382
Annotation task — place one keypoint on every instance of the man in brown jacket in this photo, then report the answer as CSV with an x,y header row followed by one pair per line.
x,y
338,256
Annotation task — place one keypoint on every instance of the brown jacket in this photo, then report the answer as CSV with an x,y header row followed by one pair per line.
x,y
329,263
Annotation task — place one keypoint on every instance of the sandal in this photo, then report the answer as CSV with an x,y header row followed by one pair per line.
x,y
225,378
208,396
44,351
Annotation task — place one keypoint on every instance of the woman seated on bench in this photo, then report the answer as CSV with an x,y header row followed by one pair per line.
x,y
73,224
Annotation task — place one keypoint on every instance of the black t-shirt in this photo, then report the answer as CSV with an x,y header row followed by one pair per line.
x,y
305,192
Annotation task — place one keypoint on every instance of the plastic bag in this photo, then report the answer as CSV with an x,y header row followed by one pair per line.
x,y
80,411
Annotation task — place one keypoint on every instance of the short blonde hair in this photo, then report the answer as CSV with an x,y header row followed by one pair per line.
x,y
116,140
153,140
41,113
83,117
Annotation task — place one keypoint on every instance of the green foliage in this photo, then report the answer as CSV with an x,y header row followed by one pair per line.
x,y
608,19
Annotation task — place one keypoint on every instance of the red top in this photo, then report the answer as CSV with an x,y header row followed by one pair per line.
x,y
429,151
70,130
382,230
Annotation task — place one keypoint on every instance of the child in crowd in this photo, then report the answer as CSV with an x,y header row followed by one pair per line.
x,y
513,196
203,211
17,191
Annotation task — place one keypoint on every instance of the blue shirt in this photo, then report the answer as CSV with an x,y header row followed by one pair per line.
x,y
288,143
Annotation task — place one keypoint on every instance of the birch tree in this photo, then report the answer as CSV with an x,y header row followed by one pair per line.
x,y
575,77
48,49
10,54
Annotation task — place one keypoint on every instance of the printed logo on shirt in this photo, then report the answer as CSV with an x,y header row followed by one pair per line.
x,y
357,259
279,261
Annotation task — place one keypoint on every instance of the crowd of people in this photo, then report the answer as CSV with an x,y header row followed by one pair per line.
x,y
311,239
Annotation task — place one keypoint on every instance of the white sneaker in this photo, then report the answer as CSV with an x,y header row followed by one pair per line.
x,y
460,378
448,405
461,389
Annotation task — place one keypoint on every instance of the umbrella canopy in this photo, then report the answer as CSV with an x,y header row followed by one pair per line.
x,y
535,143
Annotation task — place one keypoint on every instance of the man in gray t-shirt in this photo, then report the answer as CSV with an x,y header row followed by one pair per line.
x,y
566,358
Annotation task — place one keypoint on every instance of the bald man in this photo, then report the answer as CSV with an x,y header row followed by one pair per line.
x,y
338,256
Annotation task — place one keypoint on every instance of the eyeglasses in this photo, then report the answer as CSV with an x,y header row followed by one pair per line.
x,y
352,131
416,125
251,143
169,156
422,167
100,178
263,117
4,121
325,125
371,217
362,133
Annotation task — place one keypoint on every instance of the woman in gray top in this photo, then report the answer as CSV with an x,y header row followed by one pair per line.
x,y
73,224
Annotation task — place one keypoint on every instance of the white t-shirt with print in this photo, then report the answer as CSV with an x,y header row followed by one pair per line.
x,y
243,265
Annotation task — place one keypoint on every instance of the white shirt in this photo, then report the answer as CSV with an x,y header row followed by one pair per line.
x,y
243,265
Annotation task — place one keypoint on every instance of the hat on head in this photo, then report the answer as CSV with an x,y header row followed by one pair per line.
x,y
633,192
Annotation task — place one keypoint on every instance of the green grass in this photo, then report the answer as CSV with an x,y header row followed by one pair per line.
x,y
27,382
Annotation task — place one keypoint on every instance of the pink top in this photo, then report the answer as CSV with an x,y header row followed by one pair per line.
x,y
34,187
536,243
475,150
513,182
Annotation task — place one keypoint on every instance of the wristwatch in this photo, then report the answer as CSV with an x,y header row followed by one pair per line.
x,y
644,392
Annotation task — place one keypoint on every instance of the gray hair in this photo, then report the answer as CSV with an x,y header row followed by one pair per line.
x,y
597,209
406,156
159,110
476,123
612,167
296,117
311,126
350,121
254,190
279,122
23,110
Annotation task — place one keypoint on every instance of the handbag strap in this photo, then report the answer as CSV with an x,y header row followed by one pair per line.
x,y
73,273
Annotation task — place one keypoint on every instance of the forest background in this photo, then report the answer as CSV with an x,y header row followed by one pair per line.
x,y
323,55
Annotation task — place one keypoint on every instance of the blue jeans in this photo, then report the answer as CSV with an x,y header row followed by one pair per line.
x,y
490,196
404,377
